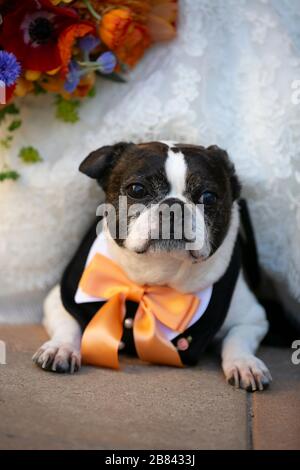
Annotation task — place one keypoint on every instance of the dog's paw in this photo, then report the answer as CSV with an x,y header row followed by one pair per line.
x,y
249,373
61,358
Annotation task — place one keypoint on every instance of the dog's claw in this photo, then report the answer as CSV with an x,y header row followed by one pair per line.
x,y
236,378
61,358
46,362
75,364
72,366
249,373
37,355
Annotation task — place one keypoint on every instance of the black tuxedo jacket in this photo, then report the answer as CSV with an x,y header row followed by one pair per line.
x,y
201,333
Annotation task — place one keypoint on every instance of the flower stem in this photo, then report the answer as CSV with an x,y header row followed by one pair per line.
x,y
89,69
87,64
92,10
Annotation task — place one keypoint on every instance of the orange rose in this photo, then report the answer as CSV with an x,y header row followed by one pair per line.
x,y
123,35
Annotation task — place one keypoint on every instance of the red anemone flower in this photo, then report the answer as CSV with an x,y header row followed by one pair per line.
x,y
9,92
32,32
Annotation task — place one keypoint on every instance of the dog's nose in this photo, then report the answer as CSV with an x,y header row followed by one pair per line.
x,y
173,201
172,217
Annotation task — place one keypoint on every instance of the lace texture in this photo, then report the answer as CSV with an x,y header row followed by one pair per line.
x,y
228,80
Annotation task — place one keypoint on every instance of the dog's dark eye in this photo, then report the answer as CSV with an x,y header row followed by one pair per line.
x,y
208,198
137,191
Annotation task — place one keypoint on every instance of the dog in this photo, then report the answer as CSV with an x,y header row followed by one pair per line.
x,y
165,172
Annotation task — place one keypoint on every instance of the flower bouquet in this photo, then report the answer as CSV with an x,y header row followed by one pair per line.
x,y
56,50
59,46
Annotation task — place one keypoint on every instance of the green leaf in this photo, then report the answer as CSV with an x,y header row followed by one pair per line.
x,y
30,155
9,109
9,175
38,89
67,110
6,142
16,123
92,93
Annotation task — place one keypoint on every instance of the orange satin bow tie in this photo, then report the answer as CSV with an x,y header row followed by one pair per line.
x,y
100,343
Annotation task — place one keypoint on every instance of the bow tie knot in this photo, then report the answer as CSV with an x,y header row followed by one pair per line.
x,y
136,294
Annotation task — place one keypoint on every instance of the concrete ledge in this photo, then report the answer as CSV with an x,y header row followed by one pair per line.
x,y
140,407
276,423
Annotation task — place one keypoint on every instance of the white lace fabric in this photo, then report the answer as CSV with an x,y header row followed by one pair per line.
x,y
227,79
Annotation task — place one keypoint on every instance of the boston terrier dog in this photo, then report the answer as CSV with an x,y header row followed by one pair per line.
x,y
203,264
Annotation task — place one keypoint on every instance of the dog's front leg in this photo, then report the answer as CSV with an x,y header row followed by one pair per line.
x,y
62,352
243,330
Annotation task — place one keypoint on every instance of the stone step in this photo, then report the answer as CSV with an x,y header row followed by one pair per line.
x,y
141,406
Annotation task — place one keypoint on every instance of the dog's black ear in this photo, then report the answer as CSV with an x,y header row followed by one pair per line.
x,y
99,163
236,186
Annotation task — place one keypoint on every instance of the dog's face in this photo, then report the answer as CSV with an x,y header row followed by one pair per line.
x,y
178,197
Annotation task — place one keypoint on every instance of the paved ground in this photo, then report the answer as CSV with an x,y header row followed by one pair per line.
x,y
142,406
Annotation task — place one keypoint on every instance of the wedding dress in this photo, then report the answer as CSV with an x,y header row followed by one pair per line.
x,y
231,78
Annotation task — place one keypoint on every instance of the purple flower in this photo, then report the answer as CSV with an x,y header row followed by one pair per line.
x,y
88,43
107,62
73,77
10,68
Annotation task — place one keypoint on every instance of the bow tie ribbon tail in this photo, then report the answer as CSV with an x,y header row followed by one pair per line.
x,y
101,339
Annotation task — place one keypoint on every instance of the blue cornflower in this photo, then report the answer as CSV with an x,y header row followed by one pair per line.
x,y
88,43
10,68
107,62
73,77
